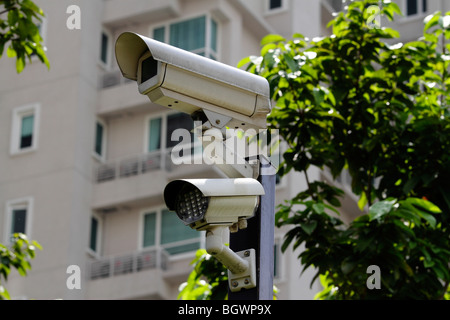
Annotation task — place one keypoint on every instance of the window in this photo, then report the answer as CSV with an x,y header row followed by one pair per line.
x,y
95,234
198,35
275,4
165,152
105,48
163,229
18,216
24,135
160,130
100,139
415,7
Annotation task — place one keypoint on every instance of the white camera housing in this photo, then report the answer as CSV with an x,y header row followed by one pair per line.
x,y
189,83
215,205
205,203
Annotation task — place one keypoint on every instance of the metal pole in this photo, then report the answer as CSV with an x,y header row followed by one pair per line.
x,y
259,235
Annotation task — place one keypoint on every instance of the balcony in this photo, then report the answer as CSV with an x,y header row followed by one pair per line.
x,y
131,263
118,95
111,79
118,12
140,179
148,274
133,166
134,276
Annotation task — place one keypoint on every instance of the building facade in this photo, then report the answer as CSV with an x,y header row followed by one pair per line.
x,y
85,158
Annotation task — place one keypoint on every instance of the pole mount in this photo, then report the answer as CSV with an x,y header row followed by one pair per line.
x,y
246,279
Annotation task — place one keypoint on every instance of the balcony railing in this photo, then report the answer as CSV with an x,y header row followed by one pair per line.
x,y
111,79
133,166
334,5
131,263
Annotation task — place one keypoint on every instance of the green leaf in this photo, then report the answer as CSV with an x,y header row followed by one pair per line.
x,y
318,208
13,17
4,295
20,64
319,95
309,227
379,209
243,62
425,204
395,8
431,20
311,71
362,201
10,52
421,208
268,48
272,38
292,64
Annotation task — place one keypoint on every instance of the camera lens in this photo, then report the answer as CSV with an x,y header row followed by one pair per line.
x,y
191,204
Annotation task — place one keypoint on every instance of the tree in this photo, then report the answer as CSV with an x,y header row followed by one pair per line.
x,y
19,32
352,102
207,281
20,35
17,257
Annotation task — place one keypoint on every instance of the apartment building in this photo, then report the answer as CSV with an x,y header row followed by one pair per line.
x,y
85,158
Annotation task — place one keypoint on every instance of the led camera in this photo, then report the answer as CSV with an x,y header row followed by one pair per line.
x,y
202,203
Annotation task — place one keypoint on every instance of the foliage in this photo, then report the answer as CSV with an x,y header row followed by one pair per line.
x,y
17,257
215,287
19,32
352,102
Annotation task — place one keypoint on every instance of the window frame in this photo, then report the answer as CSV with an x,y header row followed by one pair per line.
x,y
17,116
158,211
268,11
196,155
420,11
98,241
208,49
164,124
100,157
106,65
147,119
26,203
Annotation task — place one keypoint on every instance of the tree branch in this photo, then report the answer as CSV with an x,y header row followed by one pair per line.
x,y
10,9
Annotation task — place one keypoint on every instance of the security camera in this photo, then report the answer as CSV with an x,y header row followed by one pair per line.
x,y
190,83
203,203
215,205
